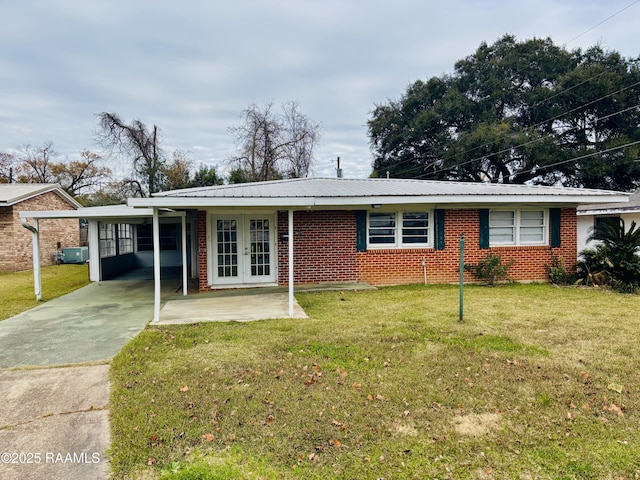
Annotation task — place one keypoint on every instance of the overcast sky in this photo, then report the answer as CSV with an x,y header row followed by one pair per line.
x,y
192,66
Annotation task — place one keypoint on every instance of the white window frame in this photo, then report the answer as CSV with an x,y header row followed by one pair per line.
x,y
125,238
107,240
518,228
398,230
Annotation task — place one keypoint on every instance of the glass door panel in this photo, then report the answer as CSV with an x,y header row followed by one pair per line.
x,y
227,259
243,249
259,247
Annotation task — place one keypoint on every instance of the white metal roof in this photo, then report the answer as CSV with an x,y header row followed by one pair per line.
x,y
12,193
633,205
336,192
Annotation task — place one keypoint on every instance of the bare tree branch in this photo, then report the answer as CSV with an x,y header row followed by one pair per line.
x,y
271,146
138,142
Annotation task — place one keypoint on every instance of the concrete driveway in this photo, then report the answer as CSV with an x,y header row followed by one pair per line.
x,y
54,372
54,422
87,325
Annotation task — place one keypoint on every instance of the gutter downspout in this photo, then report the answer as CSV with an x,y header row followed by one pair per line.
x,y
37,283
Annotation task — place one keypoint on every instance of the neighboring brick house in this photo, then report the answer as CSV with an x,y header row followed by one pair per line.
x,y
16,250
377,231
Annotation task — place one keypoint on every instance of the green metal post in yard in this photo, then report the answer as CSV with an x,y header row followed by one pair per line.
x,y
461,318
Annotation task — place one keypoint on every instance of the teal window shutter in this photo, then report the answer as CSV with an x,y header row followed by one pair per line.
x,y
555,227
484,228
439,240
361,231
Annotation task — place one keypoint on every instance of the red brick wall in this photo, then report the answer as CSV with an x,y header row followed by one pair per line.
x,y
16,247
388,267
324,247
325,251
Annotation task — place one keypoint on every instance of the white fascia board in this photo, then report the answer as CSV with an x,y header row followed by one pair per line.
x,y
80,213
471,200
608,211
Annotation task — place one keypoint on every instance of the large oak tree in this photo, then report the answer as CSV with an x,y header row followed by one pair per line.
x,y
517,112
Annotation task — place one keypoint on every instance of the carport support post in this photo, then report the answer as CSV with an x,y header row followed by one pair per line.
x,y
291,298
184,255
37,282
156,265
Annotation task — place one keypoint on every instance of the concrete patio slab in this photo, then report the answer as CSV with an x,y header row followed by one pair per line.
x,y
238,308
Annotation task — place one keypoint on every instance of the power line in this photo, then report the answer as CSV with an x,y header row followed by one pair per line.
x,y
612,149
603,21
546,100
533,126
541,138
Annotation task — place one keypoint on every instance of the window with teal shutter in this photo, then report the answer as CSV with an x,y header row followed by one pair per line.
x,y
439,217
361,231
555,227
484,228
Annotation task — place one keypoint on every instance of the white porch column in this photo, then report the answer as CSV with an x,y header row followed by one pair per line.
x,y
156,265
184,255
94,251
34,229
37,278
291,297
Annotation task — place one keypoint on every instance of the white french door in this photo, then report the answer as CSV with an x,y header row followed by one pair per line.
x,y
243,249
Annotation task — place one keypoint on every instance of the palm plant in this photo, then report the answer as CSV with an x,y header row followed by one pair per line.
x,y
616,257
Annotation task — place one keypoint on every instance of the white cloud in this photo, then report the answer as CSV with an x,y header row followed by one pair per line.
x,y
191,67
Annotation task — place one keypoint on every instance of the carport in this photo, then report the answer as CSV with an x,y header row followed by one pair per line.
x,y
136,214
98,217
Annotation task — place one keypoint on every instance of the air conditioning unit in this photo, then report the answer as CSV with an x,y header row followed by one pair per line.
x,y
75,255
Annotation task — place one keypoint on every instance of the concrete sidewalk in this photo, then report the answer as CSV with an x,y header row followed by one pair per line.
x,y
54,423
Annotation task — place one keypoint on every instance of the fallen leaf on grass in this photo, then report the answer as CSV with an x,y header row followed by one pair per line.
x,y
184,389
208,437
335,442
616,387
613,408
269,420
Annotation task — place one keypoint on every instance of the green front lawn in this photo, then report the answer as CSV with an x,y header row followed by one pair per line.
x,y
18,293
539,382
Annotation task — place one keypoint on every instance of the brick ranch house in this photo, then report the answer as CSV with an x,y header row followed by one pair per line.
x,y
16,251
375,231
